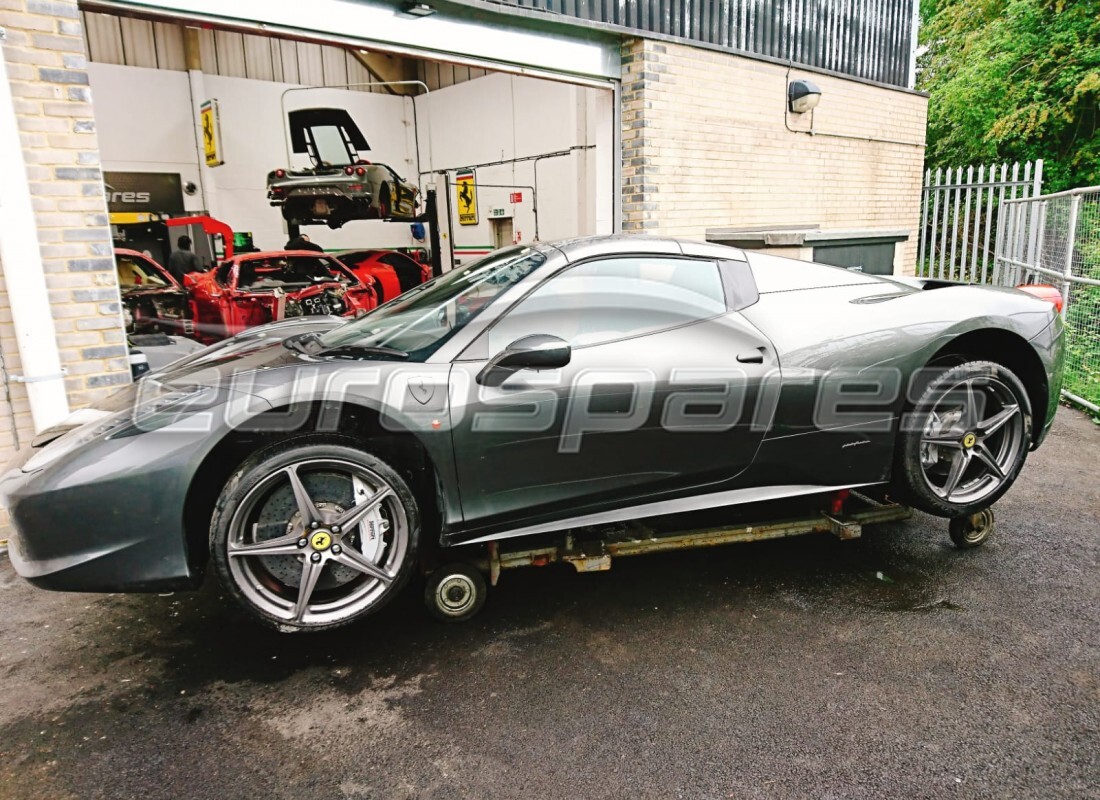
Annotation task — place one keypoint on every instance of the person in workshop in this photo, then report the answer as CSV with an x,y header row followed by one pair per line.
x,y
302,242
183,261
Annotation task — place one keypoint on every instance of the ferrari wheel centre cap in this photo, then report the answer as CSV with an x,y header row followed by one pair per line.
x,y
320,540
969,440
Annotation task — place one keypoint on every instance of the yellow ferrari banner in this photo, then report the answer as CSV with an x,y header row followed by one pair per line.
x,y
466,192
211,133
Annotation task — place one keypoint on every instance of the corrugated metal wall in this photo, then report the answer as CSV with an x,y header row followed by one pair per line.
x,y
866,38
159,45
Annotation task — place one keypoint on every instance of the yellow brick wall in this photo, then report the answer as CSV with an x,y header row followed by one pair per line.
x,y
706,145
45,60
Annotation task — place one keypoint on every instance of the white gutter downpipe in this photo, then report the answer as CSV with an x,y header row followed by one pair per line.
x,y
23,274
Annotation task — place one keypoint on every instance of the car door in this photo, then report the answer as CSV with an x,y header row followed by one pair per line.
x,y
210,301
658,398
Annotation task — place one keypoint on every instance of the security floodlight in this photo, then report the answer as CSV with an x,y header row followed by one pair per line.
x,y
414,9
802,95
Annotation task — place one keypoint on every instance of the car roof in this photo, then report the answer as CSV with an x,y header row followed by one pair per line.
x,y
608,244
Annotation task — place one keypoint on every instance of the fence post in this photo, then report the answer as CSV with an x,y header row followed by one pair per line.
x,y
1041,210
1035,234
998,241
924,220
1074,207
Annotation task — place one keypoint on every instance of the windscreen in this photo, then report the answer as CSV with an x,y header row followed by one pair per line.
x,y
419,321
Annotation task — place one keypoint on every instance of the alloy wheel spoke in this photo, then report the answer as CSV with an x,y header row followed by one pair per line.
x,y
958,466
353,559
997,421
354,515
981,452
279,546
943,440
306,509
311,571
970,413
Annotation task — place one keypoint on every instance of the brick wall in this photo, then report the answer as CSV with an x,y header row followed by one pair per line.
x,y
44,54
706,145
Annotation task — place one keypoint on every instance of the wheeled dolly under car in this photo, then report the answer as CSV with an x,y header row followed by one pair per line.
x,y
456,591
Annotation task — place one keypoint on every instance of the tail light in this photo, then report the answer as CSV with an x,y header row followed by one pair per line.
x,y
349,170
280,173
1052,294
360,171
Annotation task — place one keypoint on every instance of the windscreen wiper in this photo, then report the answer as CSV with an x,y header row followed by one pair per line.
x,y
308,343
356,351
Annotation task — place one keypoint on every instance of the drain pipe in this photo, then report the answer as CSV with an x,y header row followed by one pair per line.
x,y
23,274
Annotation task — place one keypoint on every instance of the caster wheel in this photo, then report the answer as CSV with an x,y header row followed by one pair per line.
x,y
971,531
455,592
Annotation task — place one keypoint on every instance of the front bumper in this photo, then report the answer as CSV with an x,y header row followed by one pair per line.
x,y
109,514
108,518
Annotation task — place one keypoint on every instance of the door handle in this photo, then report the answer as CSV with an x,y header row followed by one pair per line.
x,y
752,357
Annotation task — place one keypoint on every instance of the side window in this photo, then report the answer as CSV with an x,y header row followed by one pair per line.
x,y
615,298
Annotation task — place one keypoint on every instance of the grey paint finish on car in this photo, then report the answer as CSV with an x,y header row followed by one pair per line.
x,y
784,327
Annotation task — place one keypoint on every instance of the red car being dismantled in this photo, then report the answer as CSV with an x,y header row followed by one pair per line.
x,y
394,272
257,288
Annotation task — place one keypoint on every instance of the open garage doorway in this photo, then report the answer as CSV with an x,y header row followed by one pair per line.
x,y
194,122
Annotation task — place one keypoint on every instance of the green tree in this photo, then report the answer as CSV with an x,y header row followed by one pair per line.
x,y
1012,80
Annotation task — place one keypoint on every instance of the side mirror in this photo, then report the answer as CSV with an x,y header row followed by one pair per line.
x,y
539,351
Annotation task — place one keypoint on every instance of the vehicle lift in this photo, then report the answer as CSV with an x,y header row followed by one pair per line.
x,y
429,217
457,591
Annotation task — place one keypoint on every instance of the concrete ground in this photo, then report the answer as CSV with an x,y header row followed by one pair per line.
x,y
889,666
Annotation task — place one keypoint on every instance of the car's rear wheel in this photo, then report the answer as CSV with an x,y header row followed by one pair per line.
x,y
385,201
310,536
964,441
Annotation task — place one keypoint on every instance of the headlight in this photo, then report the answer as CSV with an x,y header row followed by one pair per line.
x,y
158,405
99,425
155,406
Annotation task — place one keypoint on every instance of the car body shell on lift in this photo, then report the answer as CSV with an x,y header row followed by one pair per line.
x,y
339,186
135,495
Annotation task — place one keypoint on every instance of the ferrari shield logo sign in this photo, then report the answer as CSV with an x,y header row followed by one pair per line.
x,y
211,133
466,193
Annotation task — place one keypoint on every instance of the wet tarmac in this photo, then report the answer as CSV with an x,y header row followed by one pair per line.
x,y
888,666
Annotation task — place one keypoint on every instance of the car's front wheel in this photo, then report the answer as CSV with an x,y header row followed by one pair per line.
x,y
310,536
964,441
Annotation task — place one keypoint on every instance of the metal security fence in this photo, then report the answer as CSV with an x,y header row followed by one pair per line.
x,y
959,210
870,39
1055,239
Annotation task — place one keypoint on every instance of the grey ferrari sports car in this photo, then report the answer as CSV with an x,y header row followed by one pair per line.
x,y
317,463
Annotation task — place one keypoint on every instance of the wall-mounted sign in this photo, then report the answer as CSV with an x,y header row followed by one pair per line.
x,y
211,133
466,194
515,197
499,213
161,192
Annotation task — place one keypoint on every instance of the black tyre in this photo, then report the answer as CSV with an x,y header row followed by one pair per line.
x,y
385,201
971,531
964,441
313,536
455,592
